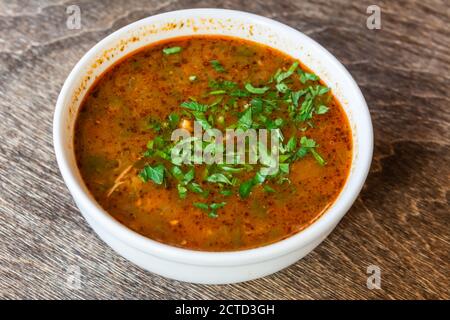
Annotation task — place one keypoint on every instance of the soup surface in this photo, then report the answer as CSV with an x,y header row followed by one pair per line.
x,y
123,143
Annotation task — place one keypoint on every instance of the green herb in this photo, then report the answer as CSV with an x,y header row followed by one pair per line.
x,y
306,110
322,109
318,157
216,92
254,107
182,191
212,208
320,90
252,89
232,169
257,105
217,66
174,119
226,192
189,176
156,174
218,178
295,96
183,178
213,214
154,125
172,50
280,76
271,124
194,105
195,187
275,75
291,144
201,205
282,87
260,177
245,188
284,167
301,152
245,120
201,118
162,154
177,173
239,93
305,76
223,85
309,145
215,206
269,189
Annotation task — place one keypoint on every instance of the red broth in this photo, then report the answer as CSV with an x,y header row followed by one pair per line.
x,y
127,114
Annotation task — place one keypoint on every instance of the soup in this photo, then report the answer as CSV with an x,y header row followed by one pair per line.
x,y
125,149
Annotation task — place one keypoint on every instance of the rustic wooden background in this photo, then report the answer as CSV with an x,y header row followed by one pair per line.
x,y
400,222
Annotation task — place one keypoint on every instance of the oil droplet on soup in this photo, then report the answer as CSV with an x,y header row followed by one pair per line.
x,y
122,143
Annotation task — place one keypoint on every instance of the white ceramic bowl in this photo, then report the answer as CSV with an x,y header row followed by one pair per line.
x,y
196,266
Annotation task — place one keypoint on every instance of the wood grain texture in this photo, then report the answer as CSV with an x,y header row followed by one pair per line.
x,y
400,222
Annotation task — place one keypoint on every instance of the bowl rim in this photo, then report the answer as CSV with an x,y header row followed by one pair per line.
x,y
317,229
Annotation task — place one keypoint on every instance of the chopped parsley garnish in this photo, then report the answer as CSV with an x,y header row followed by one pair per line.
x,y
246,187
308,145
226,192
172,50
269,189
182,191
195,106
217,92
322,109
305,76
201,205
156,174
211,208
284,75
291,98
218,178
245,120
201,118
217,66
252,89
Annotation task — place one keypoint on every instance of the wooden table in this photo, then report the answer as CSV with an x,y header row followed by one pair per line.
x,y
399,223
